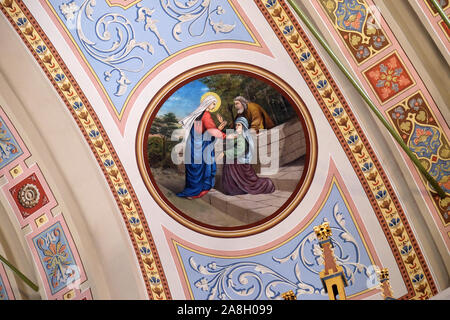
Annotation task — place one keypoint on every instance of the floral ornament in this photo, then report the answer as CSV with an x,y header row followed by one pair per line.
x,y
60,77
422,135
356,25
69,9
441,172
56,257
145,251
322,84
350,16
154,281
108,163
352,140
425,141
41,49
288,30
362,52
122,192
119,56
415,103
94,134
355,40
305,56
271,3
135,221
399,113
389,77
189,13
77,105
378,41
29,196
406,250
266,278
146,15
202,284
367,167
394,222
330,5
372,25
22,22
220,10
381,195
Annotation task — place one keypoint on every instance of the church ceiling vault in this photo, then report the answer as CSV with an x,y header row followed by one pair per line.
x,y
122,46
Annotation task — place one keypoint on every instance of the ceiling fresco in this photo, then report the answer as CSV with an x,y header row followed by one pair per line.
x,y
121,46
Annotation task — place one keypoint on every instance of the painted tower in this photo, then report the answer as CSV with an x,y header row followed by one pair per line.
x,y
385,285
332,276
289,295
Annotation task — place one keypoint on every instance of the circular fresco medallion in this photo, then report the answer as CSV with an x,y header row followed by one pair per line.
x,y
227,149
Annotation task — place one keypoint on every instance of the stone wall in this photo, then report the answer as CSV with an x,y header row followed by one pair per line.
x,y
288,138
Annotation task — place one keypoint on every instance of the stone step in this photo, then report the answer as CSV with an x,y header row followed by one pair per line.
x,y
285,179
247,208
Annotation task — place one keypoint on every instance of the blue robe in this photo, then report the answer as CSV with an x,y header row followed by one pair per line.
x,y
200,164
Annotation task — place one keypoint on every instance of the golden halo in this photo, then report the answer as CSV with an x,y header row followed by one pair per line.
x,y
215,95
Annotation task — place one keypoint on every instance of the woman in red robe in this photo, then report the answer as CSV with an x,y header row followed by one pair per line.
x,y
200,137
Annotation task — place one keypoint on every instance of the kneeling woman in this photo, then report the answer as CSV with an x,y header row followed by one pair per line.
x,y
239,177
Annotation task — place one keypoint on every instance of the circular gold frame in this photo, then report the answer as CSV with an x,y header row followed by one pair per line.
x,y
239,68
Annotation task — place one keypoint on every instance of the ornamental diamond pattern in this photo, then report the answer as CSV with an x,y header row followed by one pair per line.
x,y
389,77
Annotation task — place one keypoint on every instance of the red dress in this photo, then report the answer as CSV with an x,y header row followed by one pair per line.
x,y
207,123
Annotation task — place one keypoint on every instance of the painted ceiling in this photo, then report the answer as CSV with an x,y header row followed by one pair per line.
x,y
114,62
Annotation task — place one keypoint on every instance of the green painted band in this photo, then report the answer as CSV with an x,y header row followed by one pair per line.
x,y
30,283
441,12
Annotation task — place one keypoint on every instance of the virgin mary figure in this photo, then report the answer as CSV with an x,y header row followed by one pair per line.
x,y
199,138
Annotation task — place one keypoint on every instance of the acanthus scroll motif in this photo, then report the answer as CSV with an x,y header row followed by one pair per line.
x,y
113,38
257,280
192,12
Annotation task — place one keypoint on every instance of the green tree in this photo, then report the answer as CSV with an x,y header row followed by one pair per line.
x,y
154,151
162,146
170,118
228,86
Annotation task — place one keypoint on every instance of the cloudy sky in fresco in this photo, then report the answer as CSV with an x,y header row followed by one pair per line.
x,y
184,100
